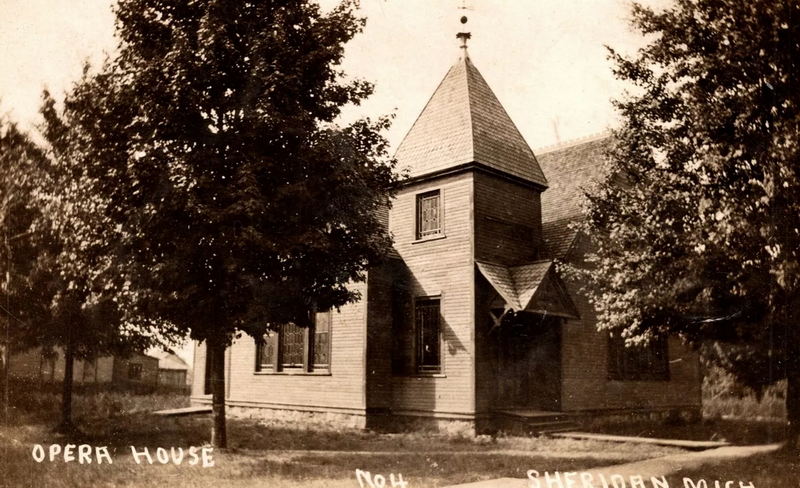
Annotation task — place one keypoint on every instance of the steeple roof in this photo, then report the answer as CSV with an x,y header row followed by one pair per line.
x,y
465,123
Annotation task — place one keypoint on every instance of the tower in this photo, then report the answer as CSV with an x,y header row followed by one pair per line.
x,y
473,194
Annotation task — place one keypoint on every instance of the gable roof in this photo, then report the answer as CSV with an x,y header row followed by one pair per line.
x,y
463,123
533,287
167,359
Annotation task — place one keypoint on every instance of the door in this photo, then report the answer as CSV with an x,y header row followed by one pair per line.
x,y
529,363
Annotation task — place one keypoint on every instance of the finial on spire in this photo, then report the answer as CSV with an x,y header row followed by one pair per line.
x,y
464,36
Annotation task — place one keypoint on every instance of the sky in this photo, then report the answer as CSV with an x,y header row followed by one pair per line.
x,y
544,59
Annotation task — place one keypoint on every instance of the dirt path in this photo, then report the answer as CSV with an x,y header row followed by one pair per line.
x,y
630,472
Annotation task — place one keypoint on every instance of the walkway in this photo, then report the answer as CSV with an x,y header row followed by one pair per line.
x,y
177,412
683,444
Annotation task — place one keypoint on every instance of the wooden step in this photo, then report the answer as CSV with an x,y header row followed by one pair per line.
x,y
535,425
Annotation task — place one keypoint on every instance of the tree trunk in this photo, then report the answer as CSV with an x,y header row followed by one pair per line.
x,y
216,347
793,408
793,377
66,392
6,357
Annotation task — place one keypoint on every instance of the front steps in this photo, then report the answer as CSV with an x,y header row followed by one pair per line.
x,y
528,422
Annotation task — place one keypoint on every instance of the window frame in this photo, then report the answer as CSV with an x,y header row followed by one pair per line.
x,y
419,198
275,340
419,368
135,371
649,362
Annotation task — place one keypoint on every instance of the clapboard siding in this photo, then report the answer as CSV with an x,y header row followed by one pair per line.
x,y
442,267
507,220
342,387
585,366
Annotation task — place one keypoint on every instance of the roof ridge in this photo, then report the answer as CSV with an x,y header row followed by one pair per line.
x,y
508,116
465,59
595,136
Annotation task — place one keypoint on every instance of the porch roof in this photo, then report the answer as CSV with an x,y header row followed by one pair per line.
x,y
533,287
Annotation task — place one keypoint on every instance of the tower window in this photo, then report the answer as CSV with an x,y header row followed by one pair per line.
x,y
426,321
429,214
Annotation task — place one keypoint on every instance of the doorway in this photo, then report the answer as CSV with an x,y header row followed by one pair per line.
x,y
529,362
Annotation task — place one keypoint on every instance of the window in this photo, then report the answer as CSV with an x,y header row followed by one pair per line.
x,y
134,371
295,348
429,214
648,362
416,333
426,324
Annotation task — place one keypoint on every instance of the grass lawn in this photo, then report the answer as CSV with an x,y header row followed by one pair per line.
x,y
282,456
775,470
734,431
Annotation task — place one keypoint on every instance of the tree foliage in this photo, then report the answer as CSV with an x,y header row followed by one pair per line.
x,y
235,201
20,160
47,297
698,225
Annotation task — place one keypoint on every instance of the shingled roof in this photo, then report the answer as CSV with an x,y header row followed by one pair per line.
x,y
532,287
465,123
571,170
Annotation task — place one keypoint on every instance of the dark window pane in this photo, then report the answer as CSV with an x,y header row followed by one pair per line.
x,y
292,340
265,351
426,318
134,371
648,362
322,340
428,214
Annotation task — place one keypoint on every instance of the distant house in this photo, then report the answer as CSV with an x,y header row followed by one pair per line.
x,y
42,366
172,370
469,326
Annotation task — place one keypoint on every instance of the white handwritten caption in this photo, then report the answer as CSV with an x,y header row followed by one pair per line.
x,y
586,479
368,480
86,454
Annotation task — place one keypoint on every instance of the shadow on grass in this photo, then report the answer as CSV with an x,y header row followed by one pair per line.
x,y
151,431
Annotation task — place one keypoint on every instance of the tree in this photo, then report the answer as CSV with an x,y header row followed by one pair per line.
x,y
70,303
18,156
697,228
237,203
48,296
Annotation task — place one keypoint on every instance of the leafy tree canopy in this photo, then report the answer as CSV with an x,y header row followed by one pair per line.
x,y
697,230
238,203
232,200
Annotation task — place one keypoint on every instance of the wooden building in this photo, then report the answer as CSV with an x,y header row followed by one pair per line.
x,y
172,370
469,326
135,370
